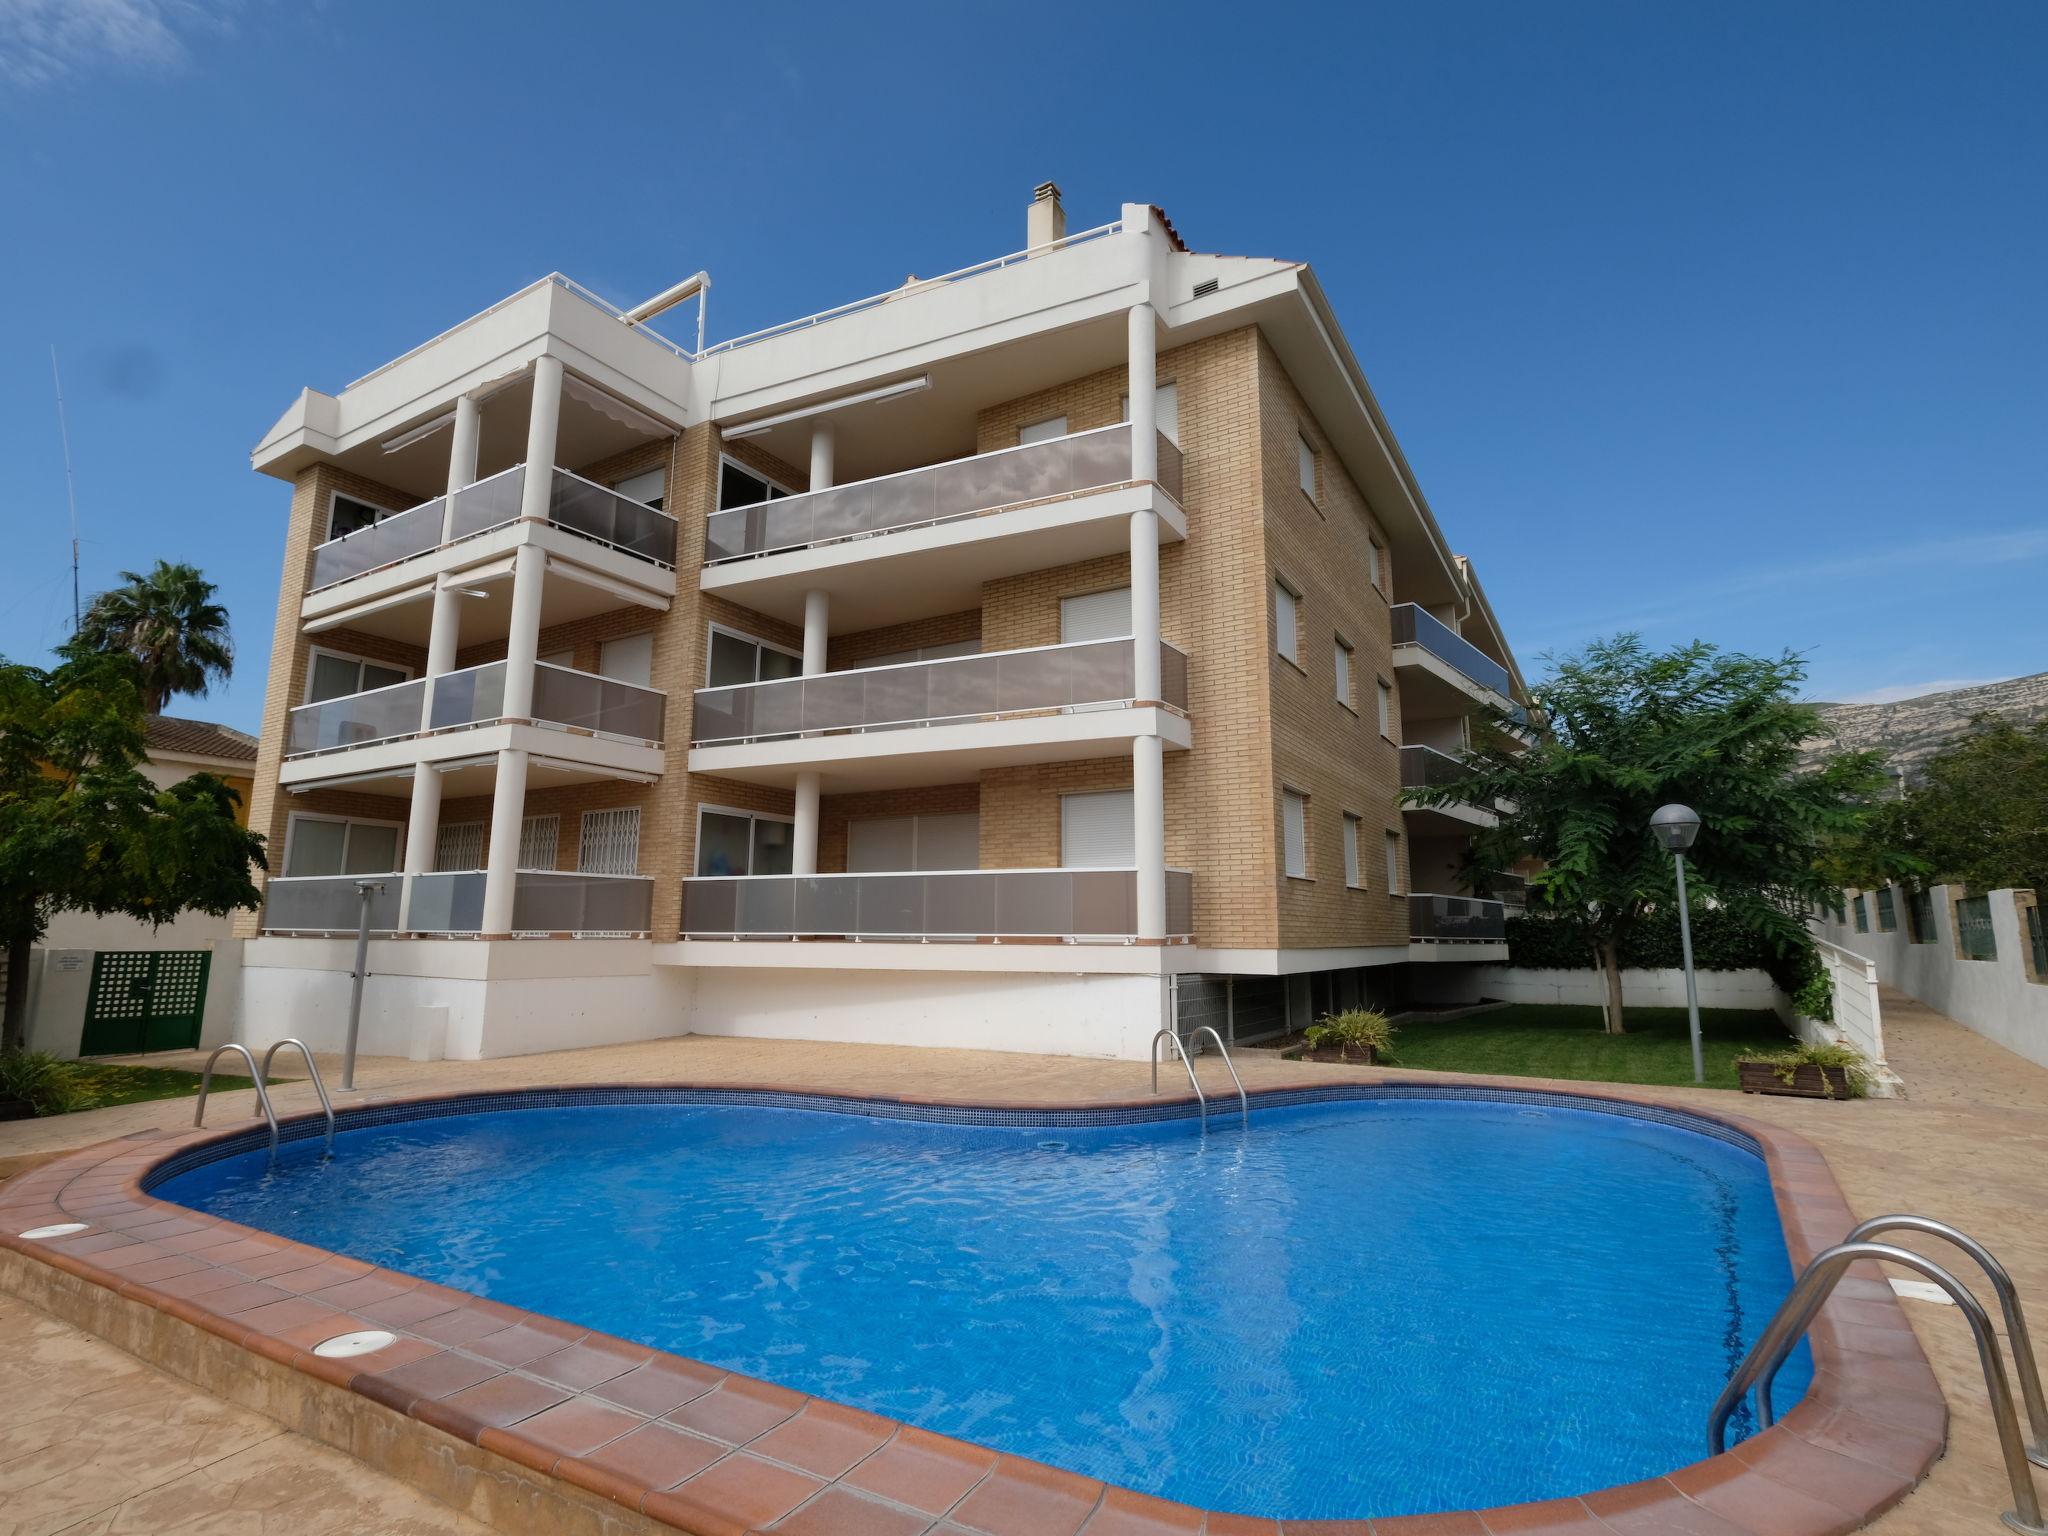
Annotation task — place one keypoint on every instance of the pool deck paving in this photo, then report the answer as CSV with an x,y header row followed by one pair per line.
x,y
1969,1145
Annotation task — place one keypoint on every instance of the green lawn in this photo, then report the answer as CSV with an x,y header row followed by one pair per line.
x,y
1527,1040
110,1084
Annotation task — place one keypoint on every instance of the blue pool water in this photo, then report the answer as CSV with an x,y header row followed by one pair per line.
x,y
1354,1308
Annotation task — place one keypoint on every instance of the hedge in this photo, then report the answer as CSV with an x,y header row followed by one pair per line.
x,y
1719,943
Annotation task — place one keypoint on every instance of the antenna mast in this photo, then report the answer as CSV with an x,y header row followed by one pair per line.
x,y
70,484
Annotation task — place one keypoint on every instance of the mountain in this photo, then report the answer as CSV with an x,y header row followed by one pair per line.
x,y
1909,731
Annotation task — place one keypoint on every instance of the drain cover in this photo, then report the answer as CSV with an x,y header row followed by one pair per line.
x,y
61,1229
342,1345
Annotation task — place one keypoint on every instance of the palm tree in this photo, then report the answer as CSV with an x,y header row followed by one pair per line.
x,y
169,622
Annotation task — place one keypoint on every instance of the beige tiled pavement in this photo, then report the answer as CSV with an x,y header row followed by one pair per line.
x,y
1969,1145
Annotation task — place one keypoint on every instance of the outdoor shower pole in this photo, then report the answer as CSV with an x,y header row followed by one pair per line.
x,y
366,889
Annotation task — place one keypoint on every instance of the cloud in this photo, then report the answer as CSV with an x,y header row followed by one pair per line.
x,y
46,41
1898,691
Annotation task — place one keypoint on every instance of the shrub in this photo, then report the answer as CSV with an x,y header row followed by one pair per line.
x,y
1719,943
1816,1000
1353,1027
50,1086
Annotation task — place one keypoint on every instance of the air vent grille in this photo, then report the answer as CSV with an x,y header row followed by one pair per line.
x,y
1204,288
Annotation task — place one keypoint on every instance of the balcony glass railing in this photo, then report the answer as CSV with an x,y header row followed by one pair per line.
x,y
476,696
1428,768
543,901
561,696
356,719
1080,904
1456,920
328,903
935,494
1052,677
1415,626
581,506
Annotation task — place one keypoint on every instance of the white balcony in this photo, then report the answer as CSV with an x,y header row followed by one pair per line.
x,y
933,721
922,542
582,728
605,551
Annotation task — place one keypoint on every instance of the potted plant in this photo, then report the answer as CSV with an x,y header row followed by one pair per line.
x,y
1357,1035
1805,1072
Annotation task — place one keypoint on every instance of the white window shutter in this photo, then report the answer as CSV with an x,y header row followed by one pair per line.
x,y
1294,826
1286,620
1098,831
1042,431
609,842
628,660
1096,616
881,843
1351,869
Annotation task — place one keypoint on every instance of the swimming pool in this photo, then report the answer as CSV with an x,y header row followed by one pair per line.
x,y
1395,1304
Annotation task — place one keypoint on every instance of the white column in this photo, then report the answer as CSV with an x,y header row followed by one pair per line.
x,y
821,456
803,857
422,832
1148,808
1143,388
817,636
543,425
522,638
461,458
501,864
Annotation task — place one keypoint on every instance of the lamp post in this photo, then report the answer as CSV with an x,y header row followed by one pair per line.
x,y
1675,827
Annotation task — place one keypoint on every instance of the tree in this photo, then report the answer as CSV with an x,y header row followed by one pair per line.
x,y
82,829
1979,819
169,622
1630,729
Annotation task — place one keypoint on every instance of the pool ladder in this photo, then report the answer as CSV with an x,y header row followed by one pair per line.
x,y
1789,1324
259,1075
1244,1105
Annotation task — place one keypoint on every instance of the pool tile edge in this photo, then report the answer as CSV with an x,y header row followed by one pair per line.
x,y
1864,1436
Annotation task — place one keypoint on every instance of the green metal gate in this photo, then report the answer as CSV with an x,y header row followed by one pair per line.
x,y
145,1000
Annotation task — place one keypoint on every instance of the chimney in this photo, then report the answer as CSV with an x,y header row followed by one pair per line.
x,y
1046,220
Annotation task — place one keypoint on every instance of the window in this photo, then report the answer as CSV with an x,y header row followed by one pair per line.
x,y
1887,911
347,514
1096,616
1098,831
608,842
734,658
743,843
925,653
739,486
914,842
539,838
1294,834
1042,431
1393,863
1376,563
1975,937
562,658
645,489
1920,917
1343,669
1165,411
629,659
460,844
1862,914
333,675
1386,698
1286,621
1353,875
1306,461
334,845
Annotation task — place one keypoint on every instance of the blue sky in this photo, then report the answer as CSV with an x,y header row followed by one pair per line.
x,y
1722,320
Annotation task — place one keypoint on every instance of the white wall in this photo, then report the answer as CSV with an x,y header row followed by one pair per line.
x,y
1644,989
60,981
1994,997
1060,1014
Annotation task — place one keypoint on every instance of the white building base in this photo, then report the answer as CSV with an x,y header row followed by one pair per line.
x,y
460,999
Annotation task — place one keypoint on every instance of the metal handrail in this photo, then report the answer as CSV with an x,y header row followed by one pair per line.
x,y
1244,1103
313,1071
1201,1098
262,1095
2024,1364
1796,1315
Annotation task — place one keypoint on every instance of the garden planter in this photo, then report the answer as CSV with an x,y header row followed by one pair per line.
x,y
1354,1055
1808,1080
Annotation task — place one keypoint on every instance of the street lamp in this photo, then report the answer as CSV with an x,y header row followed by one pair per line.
x,y
1675,827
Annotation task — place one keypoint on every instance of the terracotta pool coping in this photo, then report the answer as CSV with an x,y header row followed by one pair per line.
x,y
718,1453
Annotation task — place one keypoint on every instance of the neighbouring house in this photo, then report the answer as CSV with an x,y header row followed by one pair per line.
x,y
1021,658
112,985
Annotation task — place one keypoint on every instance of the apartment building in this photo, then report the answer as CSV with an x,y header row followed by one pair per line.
x,y
1019,658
